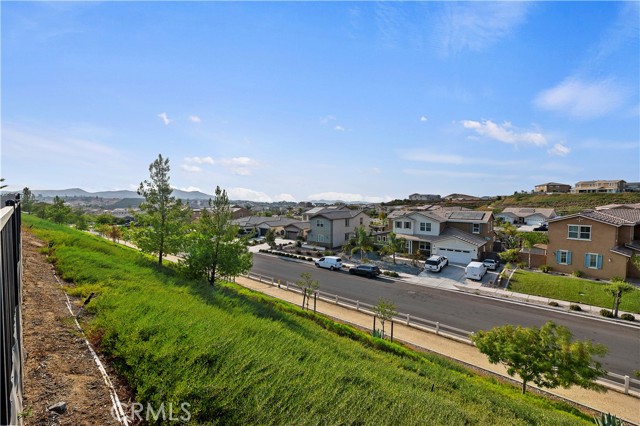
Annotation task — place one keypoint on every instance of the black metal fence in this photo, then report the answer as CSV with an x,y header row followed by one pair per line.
x,y
10,310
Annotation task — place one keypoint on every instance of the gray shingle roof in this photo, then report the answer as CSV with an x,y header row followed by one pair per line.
x,y
615,217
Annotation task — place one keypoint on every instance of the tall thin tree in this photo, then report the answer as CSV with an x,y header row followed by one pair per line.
x,y
162,218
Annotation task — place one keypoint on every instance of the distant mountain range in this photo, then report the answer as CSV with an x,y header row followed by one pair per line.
x,y
77,192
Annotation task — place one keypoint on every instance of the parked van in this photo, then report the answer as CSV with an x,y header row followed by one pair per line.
x,y
475,270
329,262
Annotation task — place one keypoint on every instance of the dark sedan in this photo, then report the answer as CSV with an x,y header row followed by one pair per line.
x,y
370,271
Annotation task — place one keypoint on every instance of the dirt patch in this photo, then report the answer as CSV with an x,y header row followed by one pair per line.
x,y
58,365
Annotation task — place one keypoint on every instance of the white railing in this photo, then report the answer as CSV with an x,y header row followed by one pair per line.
x,y
611,380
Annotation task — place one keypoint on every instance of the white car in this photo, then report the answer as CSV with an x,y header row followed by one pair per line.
x,y
491,264
435,263
329,262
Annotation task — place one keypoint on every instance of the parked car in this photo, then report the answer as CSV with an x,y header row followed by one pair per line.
x,y
329,262
475,271
491,264
435,263
370,271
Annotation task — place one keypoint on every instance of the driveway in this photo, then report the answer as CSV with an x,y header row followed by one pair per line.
x,y
452,276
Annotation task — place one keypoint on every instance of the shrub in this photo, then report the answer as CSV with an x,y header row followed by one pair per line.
x,y
577,273
606,313
298,251
390,274
545,268
310,259
628,317
554,304
575,307
522,265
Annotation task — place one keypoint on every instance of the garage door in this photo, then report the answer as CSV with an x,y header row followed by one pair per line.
x,y
457,255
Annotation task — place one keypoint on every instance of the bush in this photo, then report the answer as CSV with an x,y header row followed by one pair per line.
x,y
545,268
522,265
390,274
606,313
554,304
628,317
310,259
577,273
575,307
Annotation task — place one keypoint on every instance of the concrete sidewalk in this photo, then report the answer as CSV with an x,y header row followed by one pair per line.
x,y
624,406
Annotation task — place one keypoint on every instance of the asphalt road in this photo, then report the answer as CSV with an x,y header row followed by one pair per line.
x,y
462,310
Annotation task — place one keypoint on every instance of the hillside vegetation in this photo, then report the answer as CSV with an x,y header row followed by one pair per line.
x,y
565,203
239,358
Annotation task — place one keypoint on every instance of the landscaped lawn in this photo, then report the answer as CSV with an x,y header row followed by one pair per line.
x,y
571,289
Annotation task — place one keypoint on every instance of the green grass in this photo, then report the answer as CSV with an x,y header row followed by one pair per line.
x,y
239,357
571,289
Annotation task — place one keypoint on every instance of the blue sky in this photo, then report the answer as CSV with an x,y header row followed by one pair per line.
x,y
295,101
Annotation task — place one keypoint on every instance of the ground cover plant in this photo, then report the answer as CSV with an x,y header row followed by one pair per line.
x,y
239,357
570,289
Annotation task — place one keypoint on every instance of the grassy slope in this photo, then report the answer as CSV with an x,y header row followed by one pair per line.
x,y
570,289
565,203
242,358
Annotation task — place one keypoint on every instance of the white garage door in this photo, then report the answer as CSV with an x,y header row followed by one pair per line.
x,y
457,255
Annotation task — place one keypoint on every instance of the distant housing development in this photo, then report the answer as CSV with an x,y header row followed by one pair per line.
x,y
588,186
425,197
553,187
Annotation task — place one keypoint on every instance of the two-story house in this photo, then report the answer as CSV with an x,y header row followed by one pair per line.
x,y
552,188
589,186
599,243
460,235
332,226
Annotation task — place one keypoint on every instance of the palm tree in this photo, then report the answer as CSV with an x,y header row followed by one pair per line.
x,y
392,245
361,241
617,289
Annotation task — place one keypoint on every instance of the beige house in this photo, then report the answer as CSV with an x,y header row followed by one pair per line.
x,y
526,215
553,187
332,226
588,186
459,234
599,243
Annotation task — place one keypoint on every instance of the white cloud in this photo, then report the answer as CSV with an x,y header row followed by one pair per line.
x,y
166,120
376,170
199,160
191,189
339,128
190,169
242,166
249,195
559,150
504,133
476,25
284,197
194,119
326,119
582,99
348,197
423,119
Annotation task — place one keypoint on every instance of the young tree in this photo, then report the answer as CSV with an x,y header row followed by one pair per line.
x,y
214,247
114,233
510,255
308,286
508,234
58,212
361,242
28,200
162,219
546,356
270,238
617,289
385,310
393,245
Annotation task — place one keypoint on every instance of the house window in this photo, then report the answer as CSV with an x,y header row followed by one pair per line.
x,y
563,257
320,238
407,225
347,236
476,228
425,227
398,224
319,223
361,221
382,238
408,246
346,222
579,232
593,261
